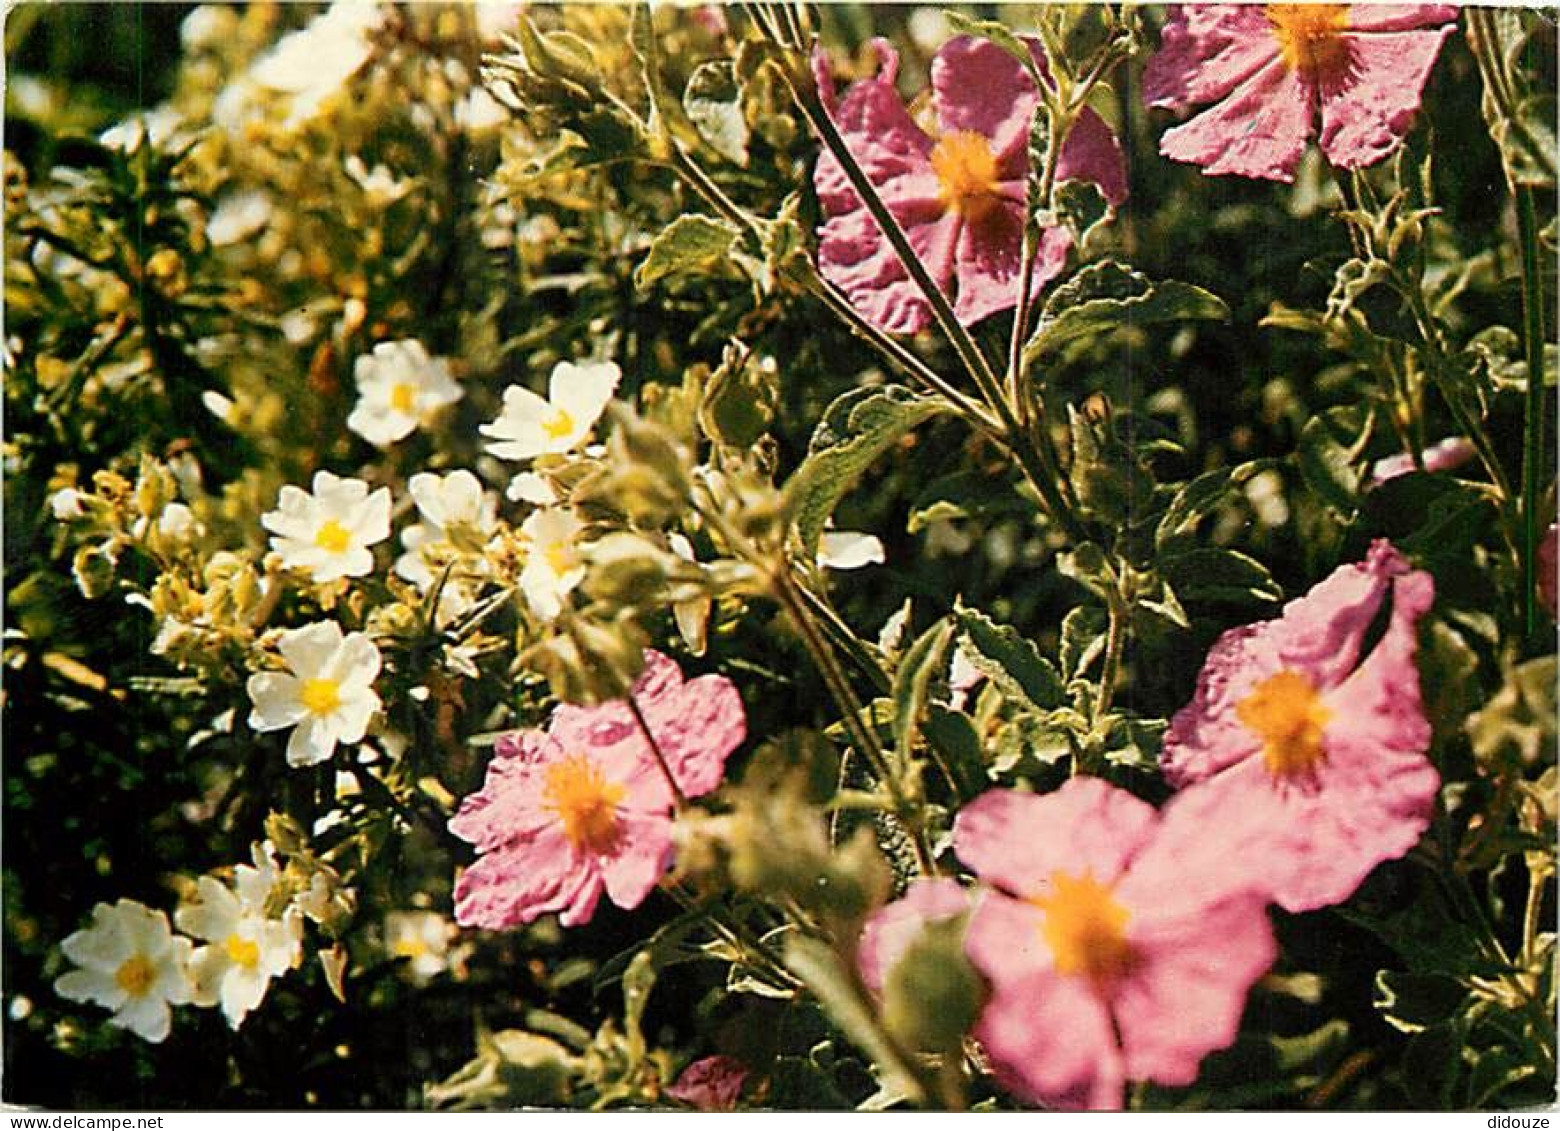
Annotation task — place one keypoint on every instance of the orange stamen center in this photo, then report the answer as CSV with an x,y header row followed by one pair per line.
x,y
967,171
585,801
1285,711
135,975
1085,928
403,398
1310,37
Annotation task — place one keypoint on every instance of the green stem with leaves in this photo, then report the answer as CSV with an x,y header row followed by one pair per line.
x,y
1533,416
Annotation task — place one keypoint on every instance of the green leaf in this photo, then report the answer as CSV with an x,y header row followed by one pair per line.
x,y
1083,639
1088,566
922,663
1329,444
714,104
1107,295
855,430
954,736
1011,663
1411,1003
738,405
689,244
999,35
1217,574
1194,500
638,981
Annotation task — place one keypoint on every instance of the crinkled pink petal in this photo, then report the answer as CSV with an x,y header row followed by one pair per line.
x,y
1366,116
520,880
1259,130
639,858
1205,52
854,255
979,87
1184,995
1017,840
1051,1042
1093,153
1398,17
1004,940
1447,454
894,927
711,1083
989,255
1319,635
878,129
509,804
1548,568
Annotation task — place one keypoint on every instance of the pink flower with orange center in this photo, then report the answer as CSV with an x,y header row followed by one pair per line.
x,y
1273,70
1308,759
959,195
585,806
1119,942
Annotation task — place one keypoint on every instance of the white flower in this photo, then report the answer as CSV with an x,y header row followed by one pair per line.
x,y
314,63
400,388
208,26
66,504
327,693
154,127
379,184
529,487
238,216
693,615
177,522
328,533
846,549
131,964
553,564
479,111
451,506
246,949
423,937
530,426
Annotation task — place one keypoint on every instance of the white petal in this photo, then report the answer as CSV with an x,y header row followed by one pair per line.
x,y
847,549
276,699
308,649
312,743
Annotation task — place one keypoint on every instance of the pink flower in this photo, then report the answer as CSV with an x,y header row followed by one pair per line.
x,y
712,1083
1309,760
892,928
1274,69
1450,453
1119,943
958,196
585,807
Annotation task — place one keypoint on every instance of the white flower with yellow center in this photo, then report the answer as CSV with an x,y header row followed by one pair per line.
x,y
245,948
327,694
423,937
400,389
330,531
131,964
530,426
553,563
454,510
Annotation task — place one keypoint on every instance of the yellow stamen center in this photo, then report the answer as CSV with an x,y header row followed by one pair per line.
x,y
1310,37
403,398
559,556
558,425
409,948
333,537
1285,711
242,952
320,696
135,975
967,171
585,801
1085,928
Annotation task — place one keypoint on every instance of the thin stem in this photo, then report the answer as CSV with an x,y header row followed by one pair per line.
x,y
655,748
1110,668
1533,417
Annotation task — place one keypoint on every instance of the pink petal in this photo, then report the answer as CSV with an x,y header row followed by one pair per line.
x,y
1017,840
977,86
521,880
989,256
1051,1042
1004,939
878,130
508,807
697,727
1206,51
1260,130
712,1083
1397,17
1548,583
894,927
1185,996
1093,153
854,256
1365,116
639,859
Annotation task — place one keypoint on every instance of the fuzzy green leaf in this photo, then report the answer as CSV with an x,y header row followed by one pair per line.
x,y
1107,295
